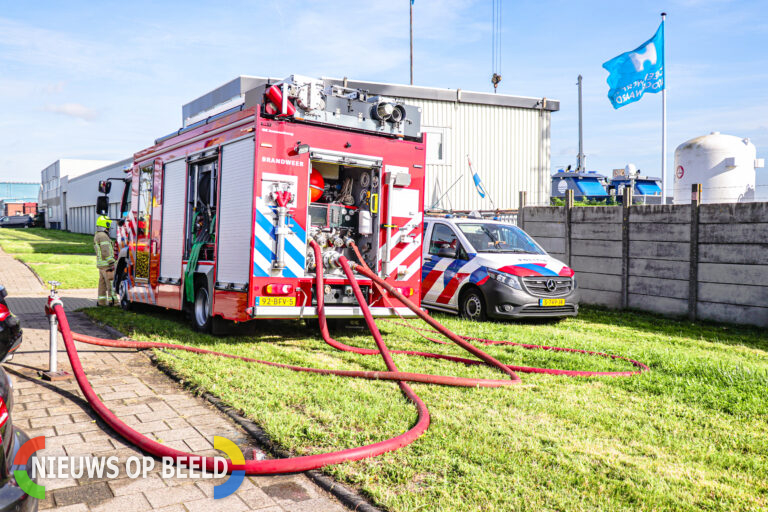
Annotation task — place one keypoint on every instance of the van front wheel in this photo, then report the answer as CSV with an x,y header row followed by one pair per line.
x,y
473,306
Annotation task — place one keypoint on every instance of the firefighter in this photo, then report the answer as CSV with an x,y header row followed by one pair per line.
x,y
105,261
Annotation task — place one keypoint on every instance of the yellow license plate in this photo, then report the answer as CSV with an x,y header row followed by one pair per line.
x,y
275,301
551,302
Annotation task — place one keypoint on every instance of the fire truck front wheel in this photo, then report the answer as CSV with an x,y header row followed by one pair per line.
x,y
201,310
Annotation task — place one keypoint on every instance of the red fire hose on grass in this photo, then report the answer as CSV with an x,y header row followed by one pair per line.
x,y
308,462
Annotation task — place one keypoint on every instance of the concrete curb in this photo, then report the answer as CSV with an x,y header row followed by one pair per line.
x,y
39,279
348,497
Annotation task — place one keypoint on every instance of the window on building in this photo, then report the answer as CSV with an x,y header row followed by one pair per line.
x,y
436,153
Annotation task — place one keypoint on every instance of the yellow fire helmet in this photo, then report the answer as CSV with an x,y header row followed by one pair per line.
x,y
103,222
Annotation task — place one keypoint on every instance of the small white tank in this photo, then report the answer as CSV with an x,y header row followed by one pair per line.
x,y
723,164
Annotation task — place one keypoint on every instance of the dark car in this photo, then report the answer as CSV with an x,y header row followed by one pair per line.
x,y
17,221
12,497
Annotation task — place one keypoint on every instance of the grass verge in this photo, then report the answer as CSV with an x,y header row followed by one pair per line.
x,y
689,435
54,255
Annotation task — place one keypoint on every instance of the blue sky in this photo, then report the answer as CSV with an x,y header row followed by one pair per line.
x,y
103,79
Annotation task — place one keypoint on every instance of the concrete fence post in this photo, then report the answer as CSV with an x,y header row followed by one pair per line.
x,y
568,213
521,209
626,207
693,273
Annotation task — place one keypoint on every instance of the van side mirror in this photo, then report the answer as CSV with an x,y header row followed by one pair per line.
x,y
447,252
105,186
102,205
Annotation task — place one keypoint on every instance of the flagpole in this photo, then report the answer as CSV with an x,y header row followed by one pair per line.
x,y
664,118
411,2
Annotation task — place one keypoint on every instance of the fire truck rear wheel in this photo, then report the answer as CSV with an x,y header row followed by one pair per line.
x,y
122,292
201,310
473,305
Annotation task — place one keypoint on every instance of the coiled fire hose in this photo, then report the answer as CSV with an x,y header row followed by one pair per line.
x,y
303,463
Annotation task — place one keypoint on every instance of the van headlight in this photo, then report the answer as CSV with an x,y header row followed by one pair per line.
x,y
504,278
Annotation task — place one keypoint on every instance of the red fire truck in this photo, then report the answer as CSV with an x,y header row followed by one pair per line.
x,y
216,218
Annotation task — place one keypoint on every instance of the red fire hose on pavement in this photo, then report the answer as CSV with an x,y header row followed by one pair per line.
x,y
308,462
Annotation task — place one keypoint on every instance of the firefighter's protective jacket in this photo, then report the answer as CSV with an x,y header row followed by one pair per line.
x,y
105,255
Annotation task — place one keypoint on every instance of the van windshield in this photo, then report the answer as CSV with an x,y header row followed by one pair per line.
x,y
489,237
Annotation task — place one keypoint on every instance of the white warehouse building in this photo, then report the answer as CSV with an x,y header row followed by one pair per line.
x,y
506,137
82,194
54,188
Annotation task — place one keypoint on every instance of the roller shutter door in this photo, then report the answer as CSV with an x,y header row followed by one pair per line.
x,y
172,237
233,265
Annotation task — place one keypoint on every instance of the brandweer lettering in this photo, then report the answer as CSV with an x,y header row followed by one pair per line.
x,y
282,161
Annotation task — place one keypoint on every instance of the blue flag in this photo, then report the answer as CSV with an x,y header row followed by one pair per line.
x,y
478,184
633,73
476,178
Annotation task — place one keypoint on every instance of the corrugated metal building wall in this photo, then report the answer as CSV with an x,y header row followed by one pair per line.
x,y
83,191
509,148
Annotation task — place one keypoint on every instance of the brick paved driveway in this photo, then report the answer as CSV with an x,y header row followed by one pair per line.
x,y
145,399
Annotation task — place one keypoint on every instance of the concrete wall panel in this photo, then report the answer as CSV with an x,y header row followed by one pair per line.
x,y
734,274
550,229
745,295
733,233
601,298
662,214
596,265
733,213
596,231
661,305
729,313
671,288
600,282
597,214
659,232
545,214
750,254
602,248
551,244
660,250
668,269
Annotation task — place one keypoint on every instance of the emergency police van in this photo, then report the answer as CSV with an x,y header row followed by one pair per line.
x,y
483,268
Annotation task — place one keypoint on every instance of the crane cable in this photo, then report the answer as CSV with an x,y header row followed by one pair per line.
x,y
496,44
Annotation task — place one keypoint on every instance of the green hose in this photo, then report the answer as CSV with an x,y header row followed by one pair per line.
x,y
194,255
189,282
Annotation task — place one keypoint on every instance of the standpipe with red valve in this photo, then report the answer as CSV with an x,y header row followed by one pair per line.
x,y
53,372
282,198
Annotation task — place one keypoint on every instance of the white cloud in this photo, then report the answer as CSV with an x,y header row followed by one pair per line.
x,y
73,110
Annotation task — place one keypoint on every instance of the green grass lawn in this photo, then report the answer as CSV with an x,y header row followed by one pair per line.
x,y
692,434
54,255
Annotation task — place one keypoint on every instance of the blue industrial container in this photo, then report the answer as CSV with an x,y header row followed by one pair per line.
x,y
586,186
645,189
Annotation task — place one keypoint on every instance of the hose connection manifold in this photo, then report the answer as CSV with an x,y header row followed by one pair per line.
x,y
282,198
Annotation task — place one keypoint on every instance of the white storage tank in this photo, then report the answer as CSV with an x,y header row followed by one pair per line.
x,y
724,165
